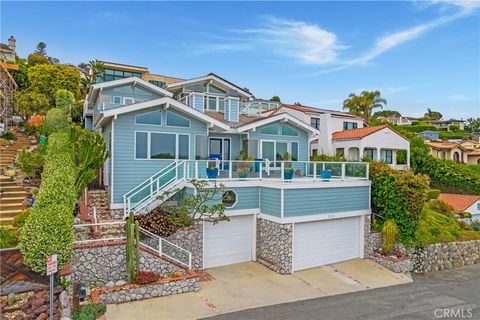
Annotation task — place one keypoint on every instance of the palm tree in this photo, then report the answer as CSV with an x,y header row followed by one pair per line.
x,y
96,68
364,104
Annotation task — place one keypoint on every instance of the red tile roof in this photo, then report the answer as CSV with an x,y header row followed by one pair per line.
x,y
445,145
459,202
361,133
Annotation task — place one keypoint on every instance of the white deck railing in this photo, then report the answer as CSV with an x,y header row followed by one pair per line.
x,y
165,248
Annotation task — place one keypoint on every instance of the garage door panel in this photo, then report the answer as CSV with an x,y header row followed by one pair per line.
x,y
228,242
324,242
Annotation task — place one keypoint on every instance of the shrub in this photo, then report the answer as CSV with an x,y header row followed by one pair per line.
x,y
89,311
19,220
48,229
9,135
389,235
433,194
8,238
475,225
442,207
65,100
30,163
398,196
146,277
57,120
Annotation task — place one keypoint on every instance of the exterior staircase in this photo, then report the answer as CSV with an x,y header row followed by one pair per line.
x,y
145,196
12,194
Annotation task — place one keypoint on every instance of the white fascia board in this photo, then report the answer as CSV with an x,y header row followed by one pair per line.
x,y
172,104
278,117
205,78
134,80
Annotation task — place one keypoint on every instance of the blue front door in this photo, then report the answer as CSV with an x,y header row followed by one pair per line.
x,y
220,149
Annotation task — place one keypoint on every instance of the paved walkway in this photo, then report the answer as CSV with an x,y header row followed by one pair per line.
x,y
452,294
250,285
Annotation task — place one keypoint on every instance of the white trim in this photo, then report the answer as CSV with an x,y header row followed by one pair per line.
x,y
254,238
156,102
282,205
241,212
293,246
278,117
294,184
204,78
361,245
203,245
116,205
236,198
316,217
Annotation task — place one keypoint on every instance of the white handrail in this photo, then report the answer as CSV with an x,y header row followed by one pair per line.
x,y
148,179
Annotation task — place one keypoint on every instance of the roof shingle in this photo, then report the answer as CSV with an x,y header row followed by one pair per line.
x,y
459,202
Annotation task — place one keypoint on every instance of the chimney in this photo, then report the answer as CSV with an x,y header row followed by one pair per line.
x,y
11,43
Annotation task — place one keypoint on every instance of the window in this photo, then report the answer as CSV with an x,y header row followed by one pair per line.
x,y
349,125
117,100
340,152
281,150
110,74
229,199
315,122
289,131
156,145
221,104
128,100
478,205
153,118
270,130
175,120
387,156
369,153
201,152
160,84
294,151
212,103
141,145
216,90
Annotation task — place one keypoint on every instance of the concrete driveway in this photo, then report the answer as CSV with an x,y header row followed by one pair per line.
x,y
251,285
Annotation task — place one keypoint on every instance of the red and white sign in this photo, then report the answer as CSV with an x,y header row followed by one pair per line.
x,y
52,264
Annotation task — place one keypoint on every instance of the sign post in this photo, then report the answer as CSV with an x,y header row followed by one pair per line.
x,y
52,266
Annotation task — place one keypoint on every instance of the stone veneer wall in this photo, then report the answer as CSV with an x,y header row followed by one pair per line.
x,y
275,245
370,238
98,199
191,239
116,214
104,263
399,265
444,256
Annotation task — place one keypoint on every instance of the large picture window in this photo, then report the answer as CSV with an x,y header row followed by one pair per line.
x,y
276,150
158,145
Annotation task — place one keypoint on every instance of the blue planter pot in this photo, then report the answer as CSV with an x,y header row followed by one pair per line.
x,y
257,165
288,175
212,173
326,174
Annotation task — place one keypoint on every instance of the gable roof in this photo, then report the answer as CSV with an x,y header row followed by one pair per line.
x,y
459,202
134,80
361,133
283,117
210,76
170,102
306,109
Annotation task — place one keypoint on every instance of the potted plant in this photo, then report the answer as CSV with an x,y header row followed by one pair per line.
x,y
243,167
212,170
287,167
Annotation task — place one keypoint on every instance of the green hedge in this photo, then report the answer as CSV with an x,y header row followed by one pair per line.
x,y
57,120
420,128
397,195
48,229
449,176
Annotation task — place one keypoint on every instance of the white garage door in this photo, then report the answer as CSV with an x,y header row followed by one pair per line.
x,y
323,242
228,242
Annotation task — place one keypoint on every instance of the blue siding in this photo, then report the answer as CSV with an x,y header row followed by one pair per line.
x,y
247,198
302,140
232,111
270,201
128,172
198,102
300,202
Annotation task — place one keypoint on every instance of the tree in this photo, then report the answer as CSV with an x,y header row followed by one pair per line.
x,y
364,104
96,68
473,125
275,98
65,100
21,77
28,103
36,58
387,113
48,78
432,115
41,49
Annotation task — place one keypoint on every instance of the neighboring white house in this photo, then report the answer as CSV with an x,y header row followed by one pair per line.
x,y
7,51
378,143
325,121
399,121
463,203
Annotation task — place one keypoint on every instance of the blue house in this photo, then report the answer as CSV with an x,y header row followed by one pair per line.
x,y
162,138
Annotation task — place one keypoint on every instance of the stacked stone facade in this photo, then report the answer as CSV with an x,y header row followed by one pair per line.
x,y
98,199
191,239
275,245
